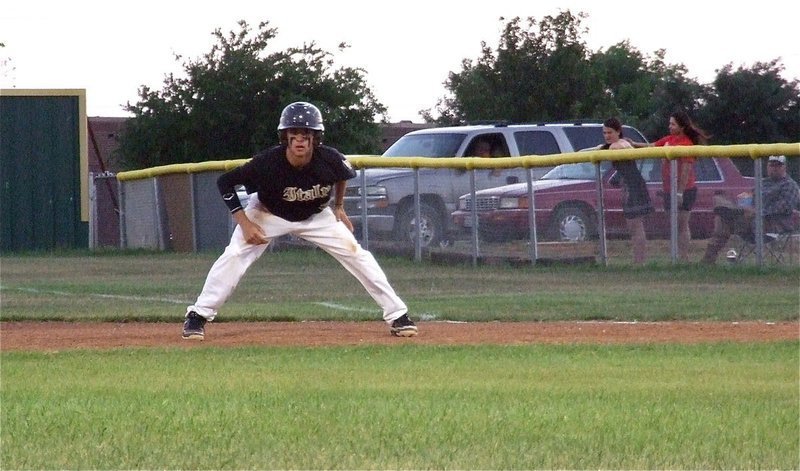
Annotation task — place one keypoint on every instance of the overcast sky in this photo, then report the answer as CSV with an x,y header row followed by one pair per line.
x,y
407,47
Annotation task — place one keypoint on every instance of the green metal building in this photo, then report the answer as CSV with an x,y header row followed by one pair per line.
x,y
44,202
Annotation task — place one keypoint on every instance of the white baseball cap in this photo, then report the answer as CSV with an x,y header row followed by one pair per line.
x,y
777,158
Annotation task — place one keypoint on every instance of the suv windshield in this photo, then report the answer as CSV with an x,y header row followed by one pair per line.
x,y
426,145
579,171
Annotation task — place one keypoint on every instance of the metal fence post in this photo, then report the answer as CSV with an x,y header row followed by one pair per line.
x,y
193,212
601,216
123,238
758,201
364,211
92,212
160,237
474,216
533,244
673,210
417,215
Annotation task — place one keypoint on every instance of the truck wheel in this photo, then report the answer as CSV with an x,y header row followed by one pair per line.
x,y
571,224
431,226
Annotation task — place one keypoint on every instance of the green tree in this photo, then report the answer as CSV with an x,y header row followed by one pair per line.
x,y
627,81
645,90
228,102
754,105
523,80
543,71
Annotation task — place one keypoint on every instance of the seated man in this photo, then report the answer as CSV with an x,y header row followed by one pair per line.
x,y
780,196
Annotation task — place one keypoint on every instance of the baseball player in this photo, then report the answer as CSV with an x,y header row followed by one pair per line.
x,y
294,182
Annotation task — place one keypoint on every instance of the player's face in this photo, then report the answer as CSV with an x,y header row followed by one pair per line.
x,y
610,135
300,143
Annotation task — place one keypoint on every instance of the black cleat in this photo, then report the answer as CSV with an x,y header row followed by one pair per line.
x,y
403,327
194,326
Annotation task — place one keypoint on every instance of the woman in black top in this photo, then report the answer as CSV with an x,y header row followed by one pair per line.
x,y
637,201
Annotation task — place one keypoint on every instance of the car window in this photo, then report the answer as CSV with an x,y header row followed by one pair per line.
x,y
582,137
706,170
579,171
499,146
426,145
495,142
536,143
632,134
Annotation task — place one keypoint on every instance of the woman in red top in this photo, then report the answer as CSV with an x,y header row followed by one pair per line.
x,y
682,132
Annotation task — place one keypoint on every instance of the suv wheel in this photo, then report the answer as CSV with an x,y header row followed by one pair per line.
x,y
431,227
571,224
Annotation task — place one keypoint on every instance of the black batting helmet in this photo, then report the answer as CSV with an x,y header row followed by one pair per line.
x,y
301,114
304,115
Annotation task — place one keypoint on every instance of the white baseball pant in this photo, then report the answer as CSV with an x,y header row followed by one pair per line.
x,y
324,231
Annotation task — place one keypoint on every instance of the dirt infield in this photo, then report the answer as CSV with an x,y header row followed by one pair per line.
x,y
56,336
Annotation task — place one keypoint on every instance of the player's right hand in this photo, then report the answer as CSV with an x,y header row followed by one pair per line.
x,y
254,235
252,232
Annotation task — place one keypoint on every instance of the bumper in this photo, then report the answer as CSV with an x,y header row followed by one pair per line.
x,y
375,222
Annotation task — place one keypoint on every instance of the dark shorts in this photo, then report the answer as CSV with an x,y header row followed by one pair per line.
x,y
689,197
637,202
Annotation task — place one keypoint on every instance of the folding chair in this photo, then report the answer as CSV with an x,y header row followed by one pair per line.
x,y
779,247
745,248
784,249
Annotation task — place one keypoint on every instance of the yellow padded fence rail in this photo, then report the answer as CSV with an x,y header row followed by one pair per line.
x,y
753,151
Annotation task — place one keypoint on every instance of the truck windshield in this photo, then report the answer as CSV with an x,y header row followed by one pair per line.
x,y
426,145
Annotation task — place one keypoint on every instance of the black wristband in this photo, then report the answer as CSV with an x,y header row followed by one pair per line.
x,y
232,202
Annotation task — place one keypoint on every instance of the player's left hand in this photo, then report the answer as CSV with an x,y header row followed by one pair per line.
x,y
342,216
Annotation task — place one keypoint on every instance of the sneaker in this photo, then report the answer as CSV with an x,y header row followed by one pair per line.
x,y
403,327
194,326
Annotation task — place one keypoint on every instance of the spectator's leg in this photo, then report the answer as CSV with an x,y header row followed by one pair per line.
x,y
746,223
684,235
638,240
722,232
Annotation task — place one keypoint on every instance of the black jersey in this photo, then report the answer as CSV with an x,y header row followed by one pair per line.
x,y
288,192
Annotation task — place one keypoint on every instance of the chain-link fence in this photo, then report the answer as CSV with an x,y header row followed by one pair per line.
x,y
104,211
181,212
574,213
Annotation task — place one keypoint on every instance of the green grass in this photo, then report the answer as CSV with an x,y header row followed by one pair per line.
x,y
714,406
305,285
720,406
